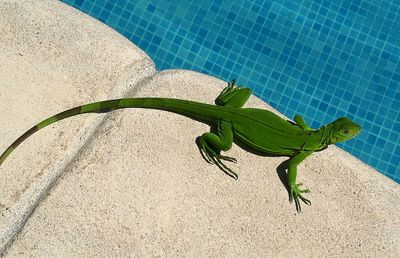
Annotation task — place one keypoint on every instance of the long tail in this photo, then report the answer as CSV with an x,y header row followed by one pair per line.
x,y
184,107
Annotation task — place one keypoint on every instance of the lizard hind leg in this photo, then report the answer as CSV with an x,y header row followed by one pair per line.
x,y
233,96
211,145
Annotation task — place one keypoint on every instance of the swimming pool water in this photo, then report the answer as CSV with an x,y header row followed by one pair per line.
x,y
321,59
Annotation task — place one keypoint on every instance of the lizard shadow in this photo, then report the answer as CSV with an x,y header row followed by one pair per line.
x,y
280,169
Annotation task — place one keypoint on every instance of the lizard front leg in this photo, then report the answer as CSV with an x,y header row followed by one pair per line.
x,y
211,145
295,193
301,123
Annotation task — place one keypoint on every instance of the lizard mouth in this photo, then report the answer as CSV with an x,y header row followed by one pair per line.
x,y
357,131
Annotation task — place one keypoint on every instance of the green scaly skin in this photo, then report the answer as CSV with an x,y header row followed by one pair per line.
x,y
259,129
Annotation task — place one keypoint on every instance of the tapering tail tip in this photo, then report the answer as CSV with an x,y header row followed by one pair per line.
x,y
5,154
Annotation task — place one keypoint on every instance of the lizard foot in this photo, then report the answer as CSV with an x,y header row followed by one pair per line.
x,y
225,92
217,160
296,194
214,158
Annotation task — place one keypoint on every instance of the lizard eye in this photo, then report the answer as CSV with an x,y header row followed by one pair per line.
x,y
346,131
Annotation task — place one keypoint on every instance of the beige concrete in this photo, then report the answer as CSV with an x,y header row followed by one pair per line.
x,y
51,58
139,187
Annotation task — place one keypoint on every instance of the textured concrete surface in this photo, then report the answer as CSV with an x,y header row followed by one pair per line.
x,y
138,186
51,58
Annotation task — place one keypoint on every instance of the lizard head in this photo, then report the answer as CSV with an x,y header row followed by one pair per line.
x,y
344,129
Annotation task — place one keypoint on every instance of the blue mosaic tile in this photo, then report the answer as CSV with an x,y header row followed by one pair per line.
x,y
321,59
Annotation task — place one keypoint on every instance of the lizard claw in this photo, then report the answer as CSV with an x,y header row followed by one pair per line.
x,y
231,87
232,83
213,157
223,167
230,159
296,194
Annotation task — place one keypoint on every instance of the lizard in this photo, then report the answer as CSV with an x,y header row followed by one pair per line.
x,y
259,129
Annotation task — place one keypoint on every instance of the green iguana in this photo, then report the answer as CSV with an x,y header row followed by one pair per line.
x,y
260,129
